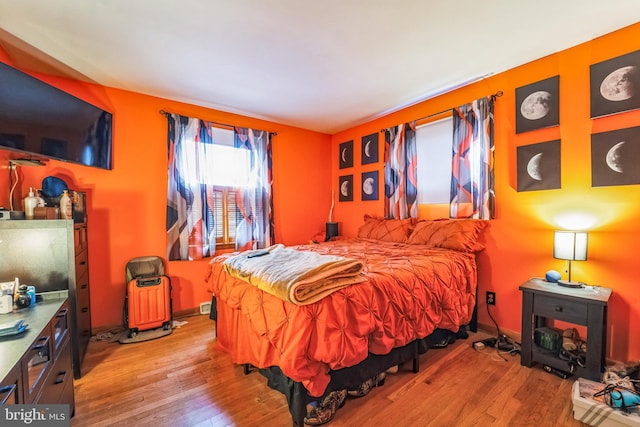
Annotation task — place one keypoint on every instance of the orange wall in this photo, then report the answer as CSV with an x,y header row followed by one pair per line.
x,y
126,210
126,205
519,241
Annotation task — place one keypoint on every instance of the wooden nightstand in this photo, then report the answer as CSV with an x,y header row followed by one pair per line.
x,y
581,306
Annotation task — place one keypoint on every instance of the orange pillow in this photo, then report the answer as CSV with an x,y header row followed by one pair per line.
x,y
388,230
457,234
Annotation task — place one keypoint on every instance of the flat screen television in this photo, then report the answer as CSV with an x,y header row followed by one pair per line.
x,y
39,119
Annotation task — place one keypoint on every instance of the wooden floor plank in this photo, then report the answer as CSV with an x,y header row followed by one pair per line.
x,y
183,380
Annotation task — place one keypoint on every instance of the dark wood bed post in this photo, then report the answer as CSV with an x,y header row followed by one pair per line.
x,y
298,404
473,325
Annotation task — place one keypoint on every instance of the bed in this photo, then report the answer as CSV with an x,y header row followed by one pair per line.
x,y
419,279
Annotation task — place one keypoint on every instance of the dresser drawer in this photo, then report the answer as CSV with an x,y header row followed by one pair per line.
x,y
561,309
11,387
81,263
82,282
80,237
84,322
55,390
84,332
36,364
82,300
60,329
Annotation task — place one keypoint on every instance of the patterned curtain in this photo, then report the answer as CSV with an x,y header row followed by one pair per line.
x,y
472,181
190,219
255,204
400,183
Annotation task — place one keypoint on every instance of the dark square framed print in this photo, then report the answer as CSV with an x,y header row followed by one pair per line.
x,y
615,156
370,185
346,154
539,166
369,149
615,85
346,188
12,140
538,105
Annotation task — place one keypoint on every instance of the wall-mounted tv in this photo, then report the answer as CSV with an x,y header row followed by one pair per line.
x,y
39,119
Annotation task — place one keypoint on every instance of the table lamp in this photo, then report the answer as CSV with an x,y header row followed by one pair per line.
x,y
571,246
331,228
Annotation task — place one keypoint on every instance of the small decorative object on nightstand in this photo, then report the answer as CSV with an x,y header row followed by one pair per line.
x,y
587,306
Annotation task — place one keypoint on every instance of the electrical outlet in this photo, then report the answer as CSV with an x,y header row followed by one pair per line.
x,y
205,307
491,298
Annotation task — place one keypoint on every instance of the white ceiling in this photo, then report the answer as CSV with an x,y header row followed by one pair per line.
x,y
320,65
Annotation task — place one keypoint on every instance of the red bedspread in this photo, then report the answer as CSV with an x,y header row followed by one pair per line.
x,y
411,290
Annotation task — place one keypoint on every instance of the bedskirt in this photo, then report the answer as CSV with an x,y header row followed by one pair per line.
x,y
228,320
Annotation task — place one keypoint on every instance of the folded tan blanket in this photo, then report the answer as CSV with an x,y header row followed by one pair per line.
x,y
296,276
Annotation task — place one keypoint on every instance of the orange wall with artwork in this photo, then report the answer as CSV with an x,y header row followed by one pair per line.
x,y
519,241
126,205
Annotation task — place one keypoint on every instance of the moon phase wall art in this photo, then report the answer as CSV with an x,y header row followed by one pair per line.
x,y
369,149
615,156
370,185
346,188
346,154
537,105
615,85
539,166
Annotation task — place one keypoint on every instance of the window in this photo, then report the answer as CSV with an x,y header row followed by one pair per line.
x,y
203,160
226,215
434,152
227,170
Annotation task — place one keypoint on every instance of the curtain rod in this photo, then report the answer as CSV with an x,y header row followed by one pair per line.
x,y
498,94
166,113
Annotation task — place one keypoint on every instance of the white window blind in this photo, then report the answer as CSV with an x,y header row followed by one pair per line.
x,y
226,214
228,171
434,152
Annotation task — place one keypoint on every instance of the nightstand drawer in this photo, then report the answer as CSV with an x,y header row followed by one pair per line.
x,y
561,309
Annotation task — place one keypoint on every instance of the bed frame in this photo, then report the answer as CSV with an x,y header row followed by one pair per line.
x,y
352,377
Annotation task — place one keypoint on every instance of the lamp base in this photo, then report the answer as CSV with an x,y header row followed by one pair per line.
x,y
570,284
331,230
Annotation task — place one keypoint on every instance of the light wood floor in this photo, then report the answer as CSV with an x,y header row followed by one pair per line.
x,y
182,380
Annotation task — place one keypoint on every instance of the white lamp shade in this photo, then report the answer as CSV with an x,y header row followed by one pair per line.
x,y
571,245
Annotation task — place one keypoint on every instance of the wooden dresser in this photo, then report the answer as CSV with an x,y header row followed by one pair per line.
x,y
35,366
80,297
52,255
